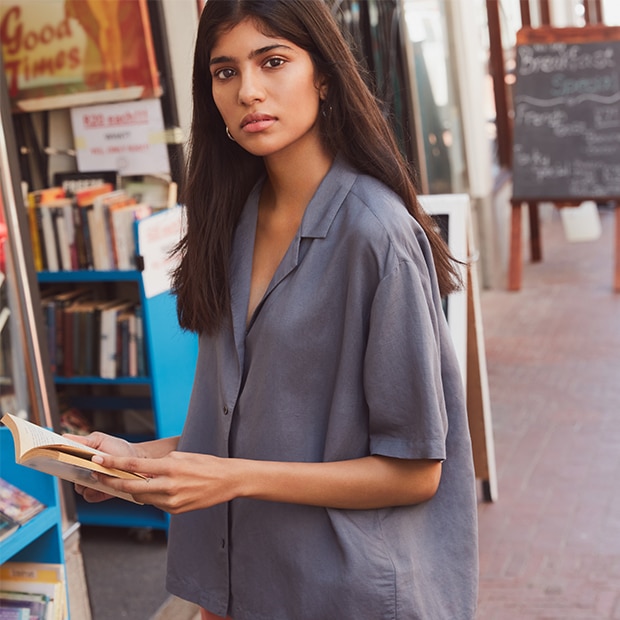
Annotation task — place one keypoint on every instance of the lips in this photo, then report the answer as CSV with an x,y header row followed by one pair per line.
x,y
253,123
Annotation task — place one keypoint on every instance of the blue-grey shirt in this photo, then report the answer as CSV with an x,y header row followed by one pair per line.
x,y
348,354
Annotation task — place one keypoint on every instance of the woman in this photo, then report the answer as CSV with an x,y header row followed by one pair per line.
x,y
324,471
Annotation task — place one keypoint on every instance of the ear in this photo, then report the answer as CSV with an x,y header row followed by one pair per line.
x,y
322,87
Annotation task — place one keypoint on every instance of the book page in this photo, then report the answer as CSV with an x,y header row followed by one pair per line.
x,y
34,436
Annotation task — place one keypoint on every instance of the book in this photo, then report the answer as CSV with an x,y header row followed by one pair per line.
x,y
55,303
16,504
122,218
14,613
102,208
108,340
61,238
7,526
72,182
41,578
49,452
48,238
35,199
36,604
84,199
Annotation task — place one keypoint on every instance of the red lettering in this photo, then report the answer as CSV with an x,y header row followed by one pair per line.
x,y
11,34
47,34
93,120
31,40
11,69
14,39
60,60
74,58
64,29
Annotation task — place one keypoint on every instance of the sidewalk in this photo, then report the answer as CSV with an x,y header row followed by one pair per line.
x,y
550,546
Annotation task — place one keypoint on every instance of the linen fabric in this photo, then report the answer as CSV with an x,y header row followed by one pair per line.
x,y
348,354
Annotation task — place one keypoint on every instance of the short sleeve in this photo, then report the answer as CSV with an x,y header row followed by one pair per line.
x,y
402,367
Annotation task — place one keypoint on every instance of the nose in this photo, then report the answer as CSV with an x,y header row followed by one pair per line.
x,y
250,89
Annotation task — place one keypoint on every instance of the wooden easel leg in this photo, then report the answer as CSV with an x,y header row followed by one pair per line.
x,y
617,250
514,266
535,241
478,396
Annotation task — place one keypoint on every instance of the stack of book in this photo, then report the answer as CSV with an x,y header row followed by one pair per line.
x,y
33,590
88,228
16,508
92,337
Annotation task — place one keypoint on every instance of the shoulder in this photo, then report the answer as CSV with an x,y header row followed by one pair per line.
x,y
375,213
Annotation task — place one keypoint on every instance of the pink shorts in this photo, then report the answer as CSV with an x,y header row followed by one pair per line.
x,y
207,615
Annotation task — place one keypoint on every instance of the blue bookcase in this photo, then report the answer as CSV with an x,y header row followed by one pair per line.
x,y
40,538
170,364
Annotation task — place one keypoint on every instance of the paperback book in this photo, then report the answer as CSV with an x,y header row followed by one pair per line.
x,y
54,454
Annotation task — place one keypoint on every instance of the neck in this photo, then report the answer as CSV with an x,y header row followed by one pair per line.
x,y
294,178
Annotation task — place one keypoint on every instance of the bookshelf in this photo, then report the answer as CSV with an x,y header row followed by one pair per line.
x,y
39,539
162,393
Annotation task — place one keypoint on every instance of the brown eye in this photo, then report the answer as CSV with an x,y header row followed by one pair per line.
x,y
274,63
223,74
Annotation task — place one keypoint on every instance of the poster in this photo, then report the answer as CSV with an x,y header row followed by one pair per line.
x,y
64,53
128,137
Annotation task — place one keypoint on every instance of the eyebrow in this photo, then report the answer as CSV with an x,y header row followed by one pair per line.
x,y
258,52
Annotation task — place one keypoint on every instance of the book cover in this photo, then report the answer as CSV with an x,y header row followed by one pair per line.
x,y
7,526
16,504
51,453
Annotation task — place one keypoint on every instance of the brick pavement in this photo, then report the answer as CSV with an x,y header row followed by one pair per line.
x,y
550,545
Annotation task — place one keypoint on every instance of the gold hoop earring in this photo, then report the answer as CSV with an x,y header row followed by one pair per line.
x,y
229,134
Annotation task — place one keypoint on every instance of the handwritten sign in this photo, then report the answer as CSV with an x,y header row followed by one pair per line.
x,y
567,114
127,137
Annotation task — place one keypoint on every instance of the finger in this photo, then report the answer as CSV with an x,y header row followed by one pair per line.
x,y
146,467
78,438
94,496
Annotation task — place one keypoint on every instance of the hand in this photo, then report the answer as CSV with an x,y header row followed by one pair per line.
x,y
105,443
177,482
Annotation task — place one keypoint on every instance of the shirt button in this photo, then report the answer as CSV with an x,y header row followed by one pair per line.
x,y
223,541
225,410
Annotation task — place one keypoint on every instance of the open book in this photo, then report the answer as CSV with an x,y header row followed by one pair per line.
x,y
46,451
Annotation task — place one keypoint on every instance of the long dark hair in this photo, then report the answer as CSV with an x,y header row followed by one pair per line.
x,y
220,174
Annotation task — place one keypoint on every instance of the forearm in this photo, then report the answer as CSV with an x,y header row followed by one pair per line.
x,y
366,483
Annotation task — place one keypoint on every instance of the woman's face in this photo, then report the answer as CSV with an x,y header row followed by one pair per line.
x,y
266,90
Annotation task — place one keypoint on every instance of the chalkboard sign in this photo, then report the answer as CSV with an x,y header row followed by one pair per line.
x,y
567,114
